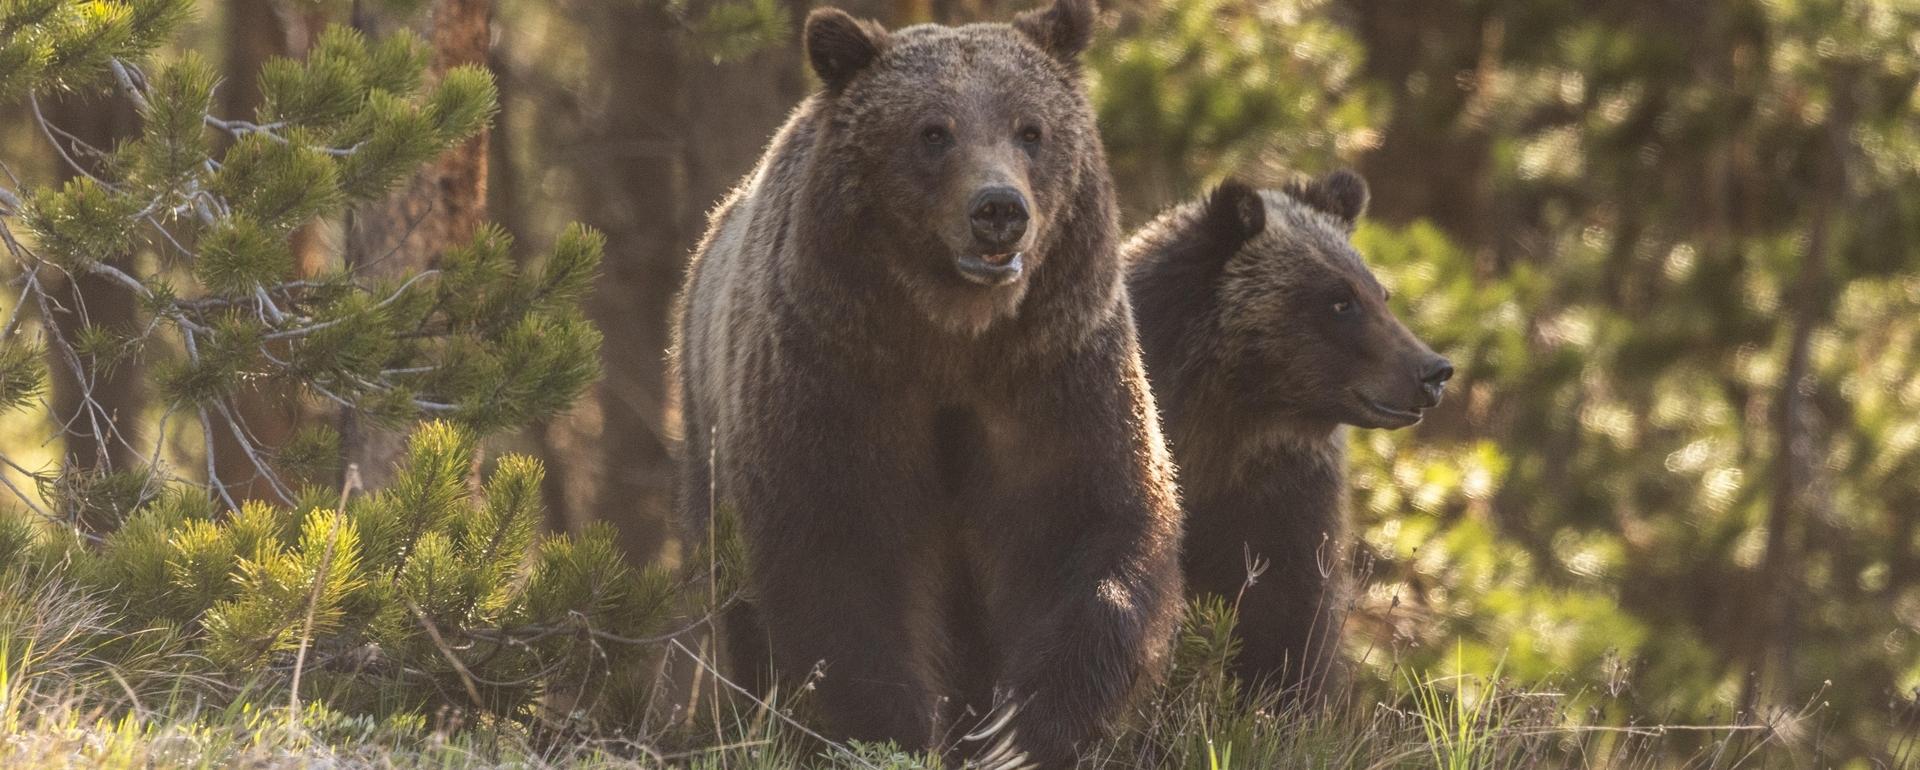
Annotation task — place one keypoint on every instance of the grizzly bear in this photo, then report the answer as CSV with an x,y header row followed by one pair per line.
x,y
1263,334
907,364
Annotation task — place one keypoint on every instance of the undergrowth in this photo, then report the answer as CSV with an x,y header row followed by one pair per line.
x,y
65,703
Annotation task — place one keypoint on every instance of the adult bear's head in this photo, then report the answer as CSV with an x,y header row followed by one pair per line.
x,y
955,153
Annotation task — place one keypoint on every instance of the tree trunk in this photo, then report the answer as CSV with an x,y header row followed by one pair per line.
x,y
441,205
101,409
1430,163
258,30
671,131
1797,423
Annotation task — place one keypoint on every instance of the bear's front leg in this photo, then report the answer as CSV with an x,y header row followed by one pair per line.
x,y
840,610
1084,585
1080,661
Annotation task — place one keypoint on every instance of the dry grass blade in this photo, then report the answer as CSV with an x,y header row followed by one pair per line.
x,y
347,486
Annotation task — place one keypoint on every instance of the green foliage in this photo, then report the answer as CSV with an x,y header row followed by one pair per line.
x,y
429,597
328,89
369,588
279,183
1205,652
1601,503
19,534
392,137
95,498
1614,220
735,29
239,254
82,223
60,45
482,340
514,346
311,455
1190,91
537,623
1456,728
176,144
23,375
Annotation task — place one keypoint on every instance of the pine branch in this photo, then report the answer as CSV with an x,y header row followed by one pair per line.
x,y
351,483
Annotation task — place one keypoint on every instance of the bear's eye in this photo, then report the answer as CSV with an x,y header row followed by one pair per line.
x,y
935,135
1030,135
1342,307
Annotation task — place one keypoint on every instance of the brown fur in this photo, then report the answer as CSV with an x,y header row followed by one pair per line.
x,y
954,496
1256,371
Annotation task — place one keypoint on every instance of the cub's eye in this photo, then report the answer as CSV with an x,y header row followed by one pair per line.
x,y
935,135
1343,307
1030,135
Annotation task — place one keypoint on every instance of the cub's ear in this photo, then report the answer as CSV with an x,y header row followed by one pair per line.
x,y
1235,213
1063,29
839,46
1341,193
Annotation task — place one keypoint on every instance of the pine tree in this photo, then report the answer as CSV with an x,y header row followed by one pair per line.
x,y
423,598
431,596
202,238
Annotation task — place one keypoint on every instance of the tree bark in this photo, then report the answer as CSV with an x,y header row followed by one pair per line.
x,y
1798,426
668,132
96,438
256,31
1430,163
440,205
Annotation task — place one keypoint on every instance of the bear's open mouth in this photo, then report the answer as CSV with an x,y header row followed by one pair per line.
x,y
990,269
1392,415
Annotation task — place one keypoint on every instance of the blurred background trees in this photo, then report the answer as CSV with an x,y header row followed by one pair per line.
x,y
1670,246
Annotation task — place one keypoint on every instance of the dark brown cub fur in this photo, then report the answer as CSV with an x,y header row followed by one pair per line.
x,y
1263,333
905,345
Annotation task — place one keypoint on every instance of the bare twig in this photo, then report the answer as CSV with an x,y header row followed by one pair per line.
x,y
246,444
395,297
47,129
28,283
433,633
536,633
213,475
18,492
122,77
791,722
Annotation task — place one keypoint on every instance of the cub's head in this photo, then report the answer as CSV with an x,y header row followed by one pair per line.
x,y
1307,330
958,149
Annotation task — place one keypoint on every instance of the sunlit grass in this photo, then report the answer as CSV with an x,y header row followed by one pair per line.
x,y
66,703
1458,734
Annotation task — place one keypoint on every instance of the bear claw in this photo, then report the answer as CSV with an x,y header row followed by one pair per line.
x,y
999,751
998,723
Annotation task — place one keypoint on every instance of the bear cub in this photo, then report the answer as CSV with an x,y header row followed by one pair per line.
x,y
1264,333
906,362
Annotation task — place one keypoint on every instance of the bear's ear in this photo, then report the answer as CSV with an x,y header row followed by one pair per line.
x,y
1341,193
1063,29
839,46
1235,213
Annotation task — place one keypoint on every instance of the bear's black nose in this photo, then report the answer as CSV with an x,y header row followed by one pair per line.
x,y
999,217
1435,377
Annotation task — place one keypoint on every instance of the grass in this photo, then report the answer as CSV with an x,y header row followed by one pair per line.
x,y
1454,730
74,693
54,729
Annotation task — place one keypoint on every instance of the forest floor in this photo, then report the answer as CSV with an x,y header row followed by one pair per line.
x,y
38,735
67,718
